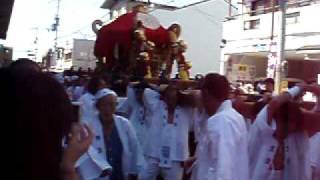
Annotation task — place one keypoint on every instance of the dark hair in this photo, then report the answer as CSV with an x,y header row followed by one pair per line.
x,y
24,65
141,86
290,112
217,86
93,84
269,80
43,116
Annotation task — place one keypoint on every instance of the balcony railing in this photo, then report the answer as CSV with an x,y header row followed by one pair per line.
x,y
267,10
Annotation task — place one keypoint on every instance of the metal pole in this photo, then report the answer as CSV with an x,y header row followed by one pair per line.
x,y
57,23
57,19
229,8
272,19
281,45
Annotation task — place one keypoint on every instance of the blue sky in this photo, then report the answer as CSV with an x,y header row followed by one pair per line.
x,y
33,18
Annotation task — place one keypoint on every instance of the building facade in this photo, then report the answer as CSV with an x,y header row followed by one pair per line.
x,y
81,54
248,37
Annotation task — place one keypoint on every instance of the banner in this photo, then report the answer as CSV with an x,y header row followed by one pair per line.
x,y
243,72
272,60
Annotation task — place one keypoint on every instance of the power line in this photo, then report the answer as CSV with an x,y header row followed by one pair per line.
x,y
234,6
210,17
204,1
78,30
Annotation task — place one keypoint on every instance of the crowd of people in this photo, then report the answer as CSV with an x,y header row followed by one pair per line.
x,y
157,131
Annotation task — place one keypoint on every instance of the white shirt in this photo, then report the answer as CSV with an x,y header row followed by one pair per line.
x,y
87,107
315,154
132,159
78,91
262,148
121,101
136,114
200,124
222,154
157,117
200,130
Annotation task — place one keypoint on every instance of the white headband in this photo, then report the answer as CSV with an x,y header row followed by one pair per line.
x,y
104,92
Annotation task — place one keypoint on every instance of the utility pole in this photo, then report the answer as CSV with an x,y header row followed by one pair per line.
x,y
35,43
56,25
281,45
55,28
230,8
272,19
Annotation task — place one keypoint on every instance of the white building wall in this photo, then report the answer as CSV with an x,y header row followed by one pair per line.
x,y
82,54
201,30
305,32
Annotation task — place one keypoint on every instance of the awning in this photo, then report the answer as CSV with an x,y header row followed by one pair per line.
x,y
313,49
5,15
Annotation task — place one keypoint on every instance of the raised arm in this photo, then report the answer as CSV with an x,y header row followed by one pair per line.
x,y
281,99
315,89
80,139
151,99
311,118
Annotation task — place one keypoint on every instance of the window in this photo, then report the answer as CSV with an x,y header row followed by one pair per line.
x,y
252,24
268,6
69,55
258,7
293,18
83,54
263,6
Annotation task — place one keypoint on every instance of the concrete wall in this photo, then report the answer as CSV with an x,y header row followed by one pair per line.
x,y
82,54
201,30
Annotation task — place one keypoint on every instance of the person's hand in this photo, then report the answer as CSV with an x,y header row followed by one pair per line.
x,y
80,139
275,104
105,173
313,88
189,162
302,85
196,97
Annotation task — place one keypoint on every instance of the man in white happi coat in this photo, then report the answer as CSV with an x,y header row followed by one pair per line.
x,y
167,145
222,152
87,101
315,156
133,108
315,137
278,142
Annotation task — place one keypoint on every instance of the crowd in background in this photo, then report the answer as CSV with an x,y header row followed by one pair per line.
x,y
143,130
